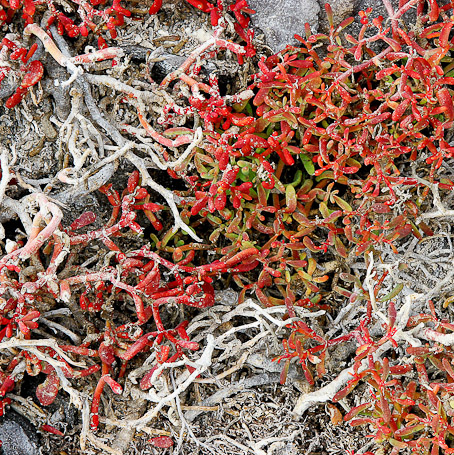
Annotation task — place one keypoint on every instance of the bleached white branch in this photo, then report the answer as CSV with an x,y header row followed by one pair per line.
x,y
29,344
201,366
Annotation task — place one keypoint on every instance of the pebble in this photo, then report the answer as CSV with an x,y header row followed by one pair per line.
x,y
18,436
279,20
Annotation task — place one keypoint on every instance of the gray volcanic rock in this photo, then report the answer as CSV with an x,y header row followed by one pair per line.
x,y
342,9
18,436
280,20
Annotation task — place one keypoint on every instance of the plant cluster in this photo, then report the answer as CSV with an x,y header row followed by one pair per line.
x,y
323,141
312,163
87,17
98,16
410,405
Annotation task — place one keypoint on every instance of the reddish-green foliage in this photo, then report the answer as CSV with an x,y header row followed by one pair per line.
x,y
416,414
311,163
348,126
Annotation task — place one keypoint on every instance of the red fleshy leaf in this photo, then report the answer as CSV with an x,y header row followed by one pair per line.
x,y
47,391
84,220
34,74
163,442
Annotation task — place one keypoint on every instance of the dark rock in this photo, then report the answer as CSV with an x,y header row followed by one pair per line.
x,y
165,64
342,9
18,435
280,20
138,53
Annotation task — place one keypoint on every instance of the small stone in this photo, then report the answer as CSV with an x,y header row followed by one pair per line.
x,y
18,435
280,20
